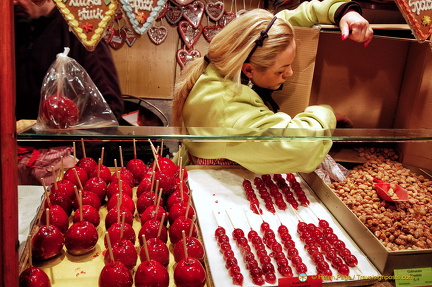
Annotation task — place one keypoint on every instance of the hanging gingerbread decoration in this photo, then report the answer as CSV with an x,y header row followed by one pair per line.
x,y
88,19
418,14
194,12
184,56
142,13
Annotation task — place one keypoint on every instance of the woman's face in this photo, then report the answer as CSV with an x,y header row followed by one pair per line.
x,y
274,76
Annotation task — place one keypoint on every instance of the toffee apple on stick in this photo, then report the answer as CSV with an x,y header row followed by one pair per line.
x,y
33,276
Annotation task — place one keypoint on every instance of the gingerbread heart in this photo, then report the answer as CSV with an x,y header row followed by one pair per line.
x,y
215,10
174,14
88,22
418,16
210,31
184,56
130,36
163,11
194,12
157,34
109,34
226,18
141,13
118,39
188,33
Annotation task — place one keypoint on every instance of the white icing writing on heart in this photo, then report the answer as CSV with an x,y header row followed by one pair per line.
x,y
88,14
140,5
419,6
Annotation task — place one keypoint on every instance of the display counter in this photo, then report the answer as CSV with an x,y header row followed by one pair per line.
x,y
219,200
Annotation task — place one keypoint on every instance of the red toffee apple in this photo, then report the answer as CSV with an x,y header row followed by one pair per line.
x,y
153,212
138,168
103,172
57,217
126,202
176,197
180,209
115,274
125,175
81,238
114,188
145,185
64,188
97,185
167,181
47,242
151,273
61,200
124,251
34,277
88,163
157,250
189,272
88,198
119,231
150,229
89,213
180,224
59,112
71,175
146,199
114,216
194,248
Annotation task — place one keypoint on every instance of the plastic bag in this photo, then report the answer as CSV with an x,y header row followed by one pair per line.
x,y
70,99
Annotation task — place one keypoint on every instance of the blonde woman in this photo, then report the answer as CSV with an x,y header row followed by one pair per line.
x,y
228,91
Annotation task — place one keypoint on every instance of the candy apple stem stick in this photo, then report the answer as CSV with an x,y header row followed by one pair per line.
x,y
74,152
45,192
184,244
121,156
161,225
134,148
145,247
78,179
80,205
109,246
83,147
102,154
192,225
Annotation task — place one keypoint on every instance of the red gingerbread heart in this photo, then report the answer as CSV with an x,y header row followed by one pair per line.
x,y
174,14
163,11
215,10
184,56
130,36
118,39
194,12
210,31
157,34
109,34
188,33
418,16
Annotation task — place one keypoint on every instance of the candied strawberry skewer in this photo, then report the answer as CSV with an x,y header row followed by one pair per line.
x,y
286,191
252,265
265,195
228,255
274,192
263,257
295,185
251,196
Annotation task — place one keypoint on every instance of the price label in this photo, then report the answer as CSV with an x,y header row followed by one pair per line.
x,y
413,277
302,280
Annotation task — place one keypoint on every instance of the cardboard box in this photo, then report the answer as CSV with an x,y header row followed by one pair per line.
x,y
385,261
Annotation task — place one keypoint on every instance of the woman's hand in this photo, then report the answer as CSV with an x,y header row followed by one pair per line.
x,y
360,29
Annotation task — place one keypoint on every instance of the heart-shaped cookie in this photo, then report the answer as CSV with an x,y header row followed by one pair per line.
x,y
141,13
88,22
174,14
188,33
215,10
210,31
184,56
157,34
418,16
118,39
226,18
193,12
109,34
130,36
163,11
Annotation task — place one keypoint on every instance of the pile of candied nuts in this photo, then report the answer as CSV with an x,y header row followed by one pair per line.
x,y
398,225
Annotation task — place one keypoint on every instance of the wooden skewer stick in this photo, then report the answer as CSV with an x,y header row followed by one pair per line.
x,y
83,147
109,246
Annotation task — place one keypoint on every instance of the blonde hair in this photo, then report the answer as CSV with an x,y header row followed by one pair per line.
x,y
230,48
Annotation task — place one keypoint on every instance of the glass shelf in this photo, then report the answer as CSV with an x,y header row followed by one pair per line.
x,y
228,134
